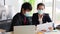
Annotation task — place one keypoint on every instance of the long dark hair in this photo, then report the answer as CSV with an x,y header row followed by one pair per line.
x,y
26,6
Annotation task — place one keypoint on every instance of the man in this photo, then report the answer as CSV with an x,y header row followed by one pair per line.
x,y
21,18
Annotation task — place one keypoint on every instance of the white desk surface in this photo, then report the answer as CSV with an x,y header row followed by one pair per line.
x,y
53,32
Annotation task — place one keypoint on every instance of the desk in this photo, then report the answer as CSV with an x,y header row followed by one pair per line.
x,y
49,33
53,32
41,33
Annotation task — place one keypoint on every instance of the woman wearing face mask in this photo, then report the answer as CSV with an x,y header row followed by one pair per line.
x,y
21,18
40,17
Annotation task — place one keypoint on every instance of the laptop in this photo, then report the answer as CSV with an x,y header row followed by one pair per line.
x,y
28,29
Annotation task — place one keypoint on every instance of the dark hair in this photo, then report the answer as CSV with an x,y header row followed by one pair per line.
x,y
26,5
41,5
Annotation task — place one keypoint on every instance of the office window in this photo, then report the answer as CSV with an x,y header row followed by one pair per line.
x,y
48,7
57,12
1,2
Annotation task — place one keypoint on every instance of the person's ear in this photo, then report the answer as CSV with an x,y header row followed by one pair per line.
x,y
37,8
22,9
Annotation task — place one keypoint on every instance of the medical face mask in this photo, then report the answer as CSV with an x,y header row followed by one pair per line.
x,y
27,14
40,11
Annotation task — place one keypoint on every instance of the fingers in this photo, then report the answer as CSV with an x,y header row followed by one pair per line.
x,y
43,30
50,28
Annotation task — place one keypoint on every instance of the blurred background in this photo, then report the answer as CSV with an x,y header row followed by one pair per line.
x,y
8,8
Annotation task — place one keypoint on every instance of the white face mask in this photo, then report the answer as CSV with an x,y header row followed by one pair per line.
x,y
27,14
40,11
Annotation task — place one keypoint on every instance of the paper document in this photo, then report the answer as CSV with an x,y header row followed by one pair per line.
x,y
44,26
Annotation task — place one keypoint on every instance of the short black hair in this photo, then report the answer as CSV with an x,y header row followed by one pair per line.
x,y
42,4
26,5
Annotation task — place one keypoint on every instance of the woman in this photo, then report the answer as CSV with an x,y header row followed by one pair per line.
x,y
40,17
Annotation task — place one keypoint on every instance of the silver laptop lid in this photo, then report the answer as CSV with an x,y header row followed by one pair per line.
x,y
28,29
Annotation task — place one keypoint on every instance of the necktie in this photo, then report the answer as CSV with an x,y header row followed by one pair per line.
x,y
24,20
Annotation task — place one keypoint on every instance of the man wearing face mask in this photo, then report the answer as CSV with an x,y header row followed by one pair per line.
x,y
21,18
40,17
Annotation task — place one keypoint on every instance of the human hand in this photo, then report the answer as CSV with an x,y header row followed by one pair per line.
x,y
43,30
50,28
